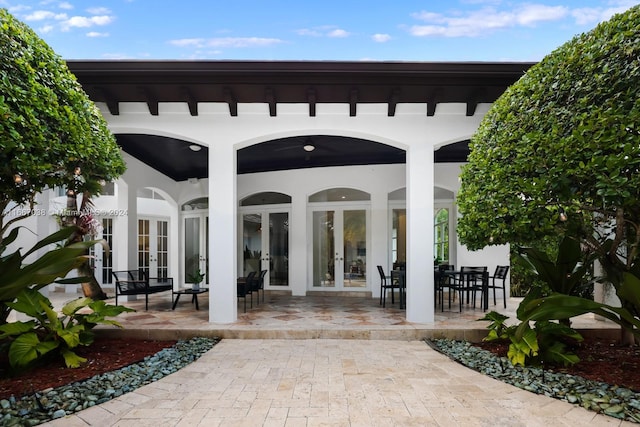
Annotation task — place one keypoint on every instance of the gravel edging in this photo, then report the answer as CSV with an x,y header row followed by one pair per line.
x,y
68,399
617,402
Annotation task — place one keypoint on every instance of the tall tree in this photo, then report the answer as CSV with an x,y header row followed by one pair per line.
x,y
49,128
563,145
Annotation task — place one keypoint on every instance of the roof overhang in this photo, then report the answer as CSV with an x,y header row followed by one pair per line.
x,y
275,82
297,82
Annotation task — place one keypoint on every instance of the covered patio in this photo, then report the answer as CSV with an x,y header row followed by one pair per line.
x,y
388,137
282,316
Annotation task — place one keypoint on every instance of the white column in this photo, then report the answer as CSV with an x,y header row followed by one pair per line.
x,y
298,249
379,240
121,233
44,228
420,181
222,238
132,228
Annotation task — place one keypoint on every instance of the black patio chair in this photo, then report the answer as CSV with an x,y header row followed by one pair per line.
x,y
442,281
500,274
259,284
244,288
469,282
386,283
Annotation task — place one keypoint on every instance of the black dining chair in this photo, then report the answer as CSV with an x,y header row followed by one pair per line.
x,y
499,274
243,288
386,283
442,281
399,278
260,284
471,281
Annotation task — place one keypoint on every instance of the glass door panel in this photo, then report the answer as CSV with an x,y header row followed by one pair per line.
x,y
441,236
191,247
278,256
265,246
144,245
324,254
196,247
354,240
153,247
339,255
251,243
162,249
399,238
101,260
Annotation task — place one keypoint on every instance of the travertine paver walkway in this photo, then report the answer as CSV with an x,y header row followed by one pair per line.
x,y
325,382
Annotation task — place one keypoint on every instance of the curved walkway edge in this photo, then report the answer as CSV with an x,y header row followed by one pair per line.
x,y
327,382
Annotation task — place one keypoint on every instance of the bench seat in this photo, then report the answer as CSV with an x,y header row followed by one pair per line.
x,y
136,282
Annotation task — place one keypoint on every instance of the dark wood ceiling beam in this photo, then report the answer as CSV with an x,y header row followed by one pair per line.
x,y
109,99
312,98
151,99
474,99
433,101
191,101
231,100
393,102
270,99
353,102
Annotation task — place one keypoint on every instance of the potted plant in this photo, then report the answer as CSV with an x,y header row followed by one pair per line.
x,y
196,278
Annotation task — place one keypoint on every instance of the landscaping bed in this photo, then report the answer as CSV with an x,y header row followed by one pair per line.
x,y
605,381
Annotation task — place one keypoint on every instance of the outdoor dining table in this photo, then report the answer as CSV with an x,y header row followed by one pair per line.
x,y
465,276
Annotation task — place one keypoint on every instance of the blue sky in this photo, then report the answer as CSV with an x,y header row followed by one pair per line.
x,y
354,30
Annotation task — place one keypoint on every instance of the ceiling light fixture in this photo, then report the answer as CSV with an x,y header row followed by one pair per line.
x,y
195,147
309,148
562,215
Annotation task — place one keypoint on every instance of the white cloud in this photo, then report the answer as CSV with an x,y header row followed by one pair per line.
x,y
86,22
95,34
116,56
42,15
46,29
482,21
188,42
65,5
324,31
533,13
339,33
586,15
222,42
381,38
15,9
594,15
99,11
308,32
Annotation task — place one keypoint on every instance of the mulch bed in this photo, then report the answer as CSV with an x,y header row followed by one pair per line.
x,y
104,355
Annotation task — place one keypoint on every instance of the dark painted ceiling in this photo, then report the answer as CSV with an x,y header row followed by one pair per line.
x,y
277,82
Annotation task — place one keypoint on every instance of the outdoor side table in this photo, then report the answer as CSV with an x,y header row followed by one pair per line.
x,y
188,291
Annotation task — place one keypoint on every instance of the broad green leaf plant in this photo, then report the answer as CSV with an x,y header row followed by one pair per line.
x,y
543,344
16,274
49,334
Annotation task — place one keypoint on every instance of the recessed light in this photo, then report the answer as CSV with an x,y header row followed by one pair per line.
x,y
195,147
309,148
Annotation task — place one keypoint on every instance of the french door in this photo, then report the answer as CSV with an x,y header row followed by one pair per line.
x,y
265,245
101,259
339,253
153,247
196,246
